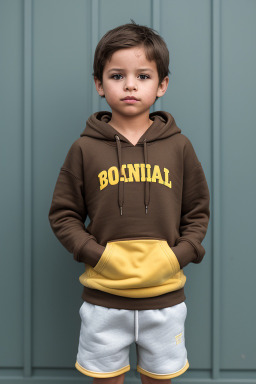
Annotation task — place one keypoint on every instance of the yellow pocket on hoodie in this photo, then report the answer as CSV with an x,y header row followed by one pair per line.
x,y
135,268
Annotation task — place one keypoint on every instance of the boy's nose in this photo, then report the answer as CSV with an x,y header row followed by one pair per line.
x,y
130,84
131,87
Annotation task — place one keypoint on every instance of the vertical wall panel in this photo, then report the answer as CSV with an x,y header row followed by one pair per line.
x,y
186,28
11,179
61,104
238,90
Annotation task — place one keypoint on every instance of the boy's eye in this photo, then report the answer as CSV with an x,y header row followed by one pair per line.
x,y
114,76
147,77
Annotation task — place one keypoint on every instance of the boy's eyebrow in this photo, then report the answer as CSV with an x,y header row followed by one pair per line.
x,y
121,69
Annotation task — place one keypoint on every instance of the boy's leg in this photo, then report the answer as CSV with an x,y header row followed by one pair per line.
x,y
104,342
120,380
160,343
149,380
110,380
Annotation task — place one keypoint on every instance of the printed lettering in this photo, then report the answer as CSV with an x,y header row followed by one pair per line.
x,y
136,173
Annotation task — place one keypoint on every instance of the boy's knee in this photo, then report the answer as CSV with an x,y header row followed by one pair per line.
x,y
110,380
150,380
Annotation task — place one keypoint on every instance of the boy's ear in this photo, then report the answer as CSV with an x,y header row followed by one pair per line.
x,y
162,88
98,86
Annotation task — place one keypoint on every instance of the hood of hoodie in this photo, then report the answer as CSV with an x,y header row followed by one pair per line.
x,y
163,126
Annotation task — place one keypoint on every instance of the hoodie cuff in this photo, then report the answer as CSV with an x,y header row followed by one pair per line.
x,y
91,253
185,253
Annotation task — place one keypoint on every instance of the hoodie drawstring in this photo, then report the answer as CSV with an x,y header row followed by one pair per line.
x,y
121,177
147,186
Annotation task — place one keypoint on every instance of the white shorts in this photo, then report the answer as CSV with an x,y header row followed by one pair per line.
x,y
107,333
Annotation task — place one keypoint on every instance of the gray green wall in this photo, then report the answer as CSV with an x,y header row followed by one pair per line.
x,y
46,95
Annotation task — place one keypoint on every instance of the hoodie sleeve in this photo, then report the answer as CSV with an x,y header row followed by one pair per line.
x,y
68,211
195,212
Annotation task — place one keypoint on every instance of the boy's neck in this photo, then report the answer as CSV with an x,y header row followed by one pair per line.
x,y
131,127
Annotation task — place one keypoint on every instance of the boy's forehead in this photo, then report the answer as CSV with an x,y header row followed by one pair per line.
x,y
129,57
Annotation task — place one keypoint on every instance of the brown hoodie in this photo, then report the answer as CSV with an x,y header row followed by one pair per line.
x,y
148,206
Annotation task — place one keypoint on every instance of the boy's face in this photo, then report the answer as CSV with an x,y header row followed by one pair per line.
x,y
129,73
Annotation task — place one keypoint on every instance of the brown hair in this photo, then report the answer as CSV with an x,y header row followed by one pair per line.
x,y
127,36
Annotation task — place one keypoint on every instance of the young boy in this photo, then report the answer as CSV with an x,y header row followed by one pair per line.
x,y
141,184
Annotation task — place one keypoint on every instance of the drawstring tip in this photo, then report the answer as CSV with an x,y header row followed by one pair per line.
x,y
121,210
146,208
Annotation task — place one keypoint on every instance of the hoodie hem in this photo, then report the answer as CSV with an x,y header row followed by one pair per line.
x,y
108,300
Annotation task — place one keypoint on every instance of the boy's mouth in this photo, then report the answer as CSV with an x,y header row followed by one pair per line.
x,y
130,100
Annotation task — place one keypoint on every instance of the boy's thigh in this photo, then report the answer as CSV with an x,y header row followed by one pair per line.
x,y
104,342
160,344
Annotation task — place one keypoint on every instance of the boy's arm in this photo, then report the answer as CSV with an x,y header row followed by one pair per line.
x,y
195,212
68,211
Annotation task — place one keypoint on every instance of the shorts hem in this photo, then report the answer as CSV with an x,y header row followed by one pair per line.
x,y
102,374
163,376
